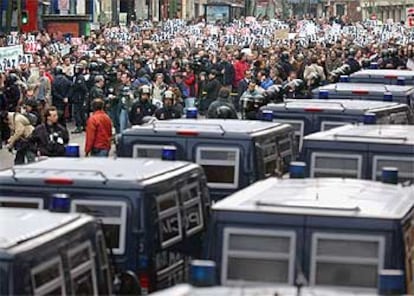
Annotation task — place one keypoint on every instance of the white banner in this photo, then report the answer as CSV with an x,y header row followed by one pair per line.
x,y
12,56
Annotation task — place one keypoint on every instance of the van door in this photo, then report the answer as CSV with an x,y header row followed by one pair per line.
x,y
302,125
226,164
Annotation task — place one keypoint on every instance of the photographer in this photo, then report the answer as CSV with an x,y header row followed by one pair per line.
x,y
50,137
21,130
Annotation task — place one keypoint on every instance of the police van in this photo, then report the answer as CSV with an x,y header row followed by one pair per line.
x,y
383,76
44,253
403,94
310,116
233,153
327,232
153,212
360,151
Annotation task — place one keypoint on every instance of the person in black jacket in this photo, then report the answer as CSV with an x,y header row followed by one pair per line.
x,y
211,90
142,106
168,110
222,107
79,99
61,88
50,137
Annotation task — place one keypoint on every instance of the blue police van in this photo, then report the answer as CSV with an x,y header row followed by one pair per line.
x,y
233,153
44,253
153,212
403,94
383,76
330,232
360,151
310,116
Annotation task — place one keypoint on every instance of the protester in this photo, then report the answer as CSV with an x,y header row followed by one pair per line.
x,y
98,131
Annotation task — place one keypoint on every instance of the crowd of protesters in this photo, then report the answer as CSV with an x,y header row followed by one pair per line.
x,y
156,70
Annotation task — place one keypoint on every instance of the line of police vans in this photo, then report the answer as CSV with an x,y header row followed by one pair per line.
x,y
156,215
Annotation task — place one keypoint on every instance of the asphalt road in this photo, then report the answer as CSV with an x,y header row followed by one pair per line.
x,y
6,158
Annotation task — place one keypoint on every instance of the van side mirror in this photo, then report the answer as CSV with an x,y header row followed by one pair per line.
x,y
126,283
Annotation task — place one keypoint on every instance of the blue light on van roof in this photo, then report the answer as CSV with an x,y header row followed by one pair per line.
x,y
323,94
390,175
297,170
370,118
401,81
373,65
60,202
169,153
72,150
267,115
192,112
344,78
203,273
388,96
391,282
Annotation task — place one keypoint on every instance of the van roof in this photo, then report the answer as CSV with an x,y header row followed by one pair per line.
x,y
21,225
385,73
321,197
208,127
384,134
109,171
366,87
332,106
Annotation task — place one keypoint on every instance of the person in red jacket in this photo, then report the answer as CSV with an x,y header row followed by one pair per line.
x,y
98,131
240,66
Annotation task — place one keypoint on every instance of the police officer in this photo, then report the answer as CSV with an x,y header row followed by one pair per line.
x,y
142,106
168,111
222,108
78,99
61,88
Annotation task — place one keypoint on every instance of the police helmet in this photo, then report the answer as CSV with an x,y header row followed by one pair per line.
x,y
168,95
285,56
224,112
58,70
93,66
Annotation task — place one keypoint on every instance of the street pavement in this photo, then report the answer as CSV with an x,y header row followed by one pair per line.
x,y
6,158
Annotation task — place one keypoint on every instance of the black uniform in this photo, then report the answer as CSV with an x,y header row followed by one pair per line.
x,y
78,99
169,112
139,110
50,140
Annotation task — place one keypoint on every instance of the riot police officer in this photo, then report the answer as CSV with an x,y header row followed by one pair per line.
x,y
142,106
79,98
168,111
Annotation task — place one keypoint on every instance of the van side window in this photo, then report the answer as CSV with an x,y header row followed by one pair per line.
x,y
169,218
299,130
335,165
48,278
192,208
18,202
405,166
286,150
103,261
257,255
270,157
221,166
113,215
346,260
82,270
149,151
327,125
